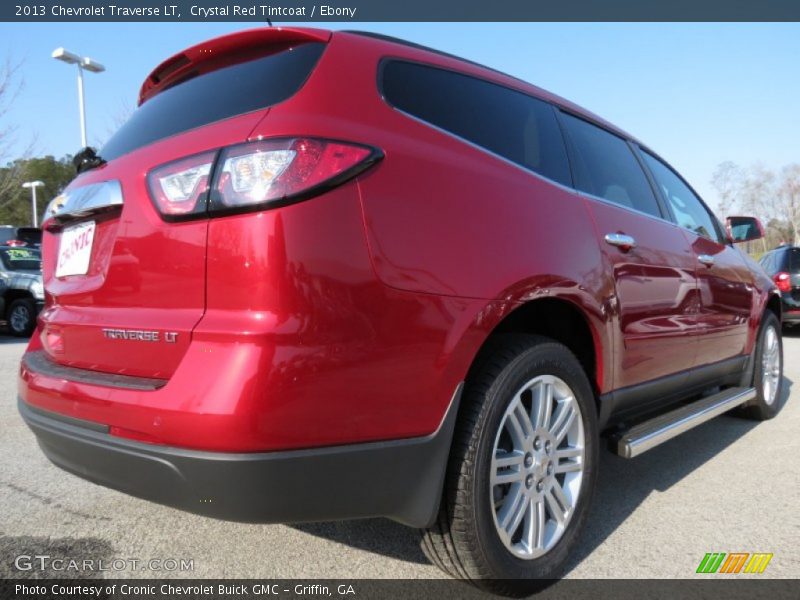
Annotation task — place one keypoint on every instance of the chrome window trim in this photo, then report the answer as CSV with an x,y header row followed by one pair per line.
x,y
572,190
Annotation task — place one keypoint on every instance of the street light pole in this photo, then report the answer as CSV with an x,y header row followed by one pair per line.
x,y
32,185
82,107
84,63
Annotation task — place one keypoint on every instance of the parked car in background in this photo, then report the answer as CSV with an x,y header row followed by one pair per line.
x,y
20,236
329,275
23,296
783,265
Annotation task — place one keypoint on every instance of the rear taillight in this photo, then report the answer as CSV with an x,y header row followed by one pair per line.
x,y
180,188
783,281
52,340
256,175
15,243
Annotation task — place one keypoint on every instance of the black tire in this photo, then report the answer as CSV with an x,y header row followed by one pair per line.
x,y
760,409
464,541
21,317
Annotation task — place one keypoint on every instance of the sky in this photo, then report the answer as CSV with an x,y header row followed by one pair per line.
x,y
698,93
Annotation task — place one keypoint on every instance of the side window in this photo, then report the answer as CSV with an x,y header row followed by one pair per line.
x,y
514,125
689,211
606,167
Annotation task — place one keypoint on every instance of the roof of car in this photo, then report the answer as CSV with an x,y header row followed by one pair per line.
x,y
223,50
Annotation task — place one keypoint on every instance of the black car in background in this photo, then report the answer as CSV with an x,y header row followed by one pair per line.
x,y
783,265
20,236
22,289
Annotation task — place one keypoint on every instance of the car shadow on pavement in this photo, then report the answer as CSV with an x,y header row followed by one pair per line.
x,y
622,486
381,536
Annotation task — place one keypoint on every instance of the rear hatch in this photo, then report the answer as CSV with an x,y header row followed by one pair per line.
x,y
794,274
125,281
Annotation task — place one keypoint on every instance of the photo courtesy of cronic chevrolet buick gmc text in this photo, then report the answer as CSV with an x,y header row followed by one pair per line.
x,y
326,276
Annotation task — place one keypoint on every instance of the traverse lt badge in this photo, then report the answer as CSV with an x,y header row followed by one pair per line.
x,y
140,335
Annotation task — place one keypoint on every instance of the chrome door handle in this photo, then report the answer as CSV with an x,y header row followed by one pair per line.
x,y
706,259
621,241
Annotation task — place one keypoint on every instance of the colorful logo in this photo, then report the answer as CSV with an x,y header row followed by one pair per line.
x,y
735,562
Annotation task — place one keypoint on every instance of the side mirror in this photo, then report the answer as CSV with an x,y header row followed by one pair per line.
x,y
743,229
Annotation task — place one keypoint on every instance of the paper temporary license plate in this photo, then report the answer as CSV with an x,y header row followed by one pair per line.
x,y
75,249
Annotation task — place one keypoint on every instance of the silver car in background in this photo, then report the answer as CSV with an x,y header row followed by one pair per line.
x,y
21,288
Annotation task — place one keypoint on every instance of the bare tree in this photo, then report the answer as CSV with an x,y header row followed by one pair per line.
x,y
118,119
789,199
772,196
10,86
757,191
727,180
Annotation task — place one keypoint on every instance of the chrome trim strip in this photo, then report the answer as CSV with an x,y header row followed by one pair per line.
x,y
650,434
83,201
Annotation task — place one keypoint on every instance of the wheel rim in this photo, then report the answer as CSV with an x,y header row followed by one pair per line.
x,y
20,317
537,467
770,365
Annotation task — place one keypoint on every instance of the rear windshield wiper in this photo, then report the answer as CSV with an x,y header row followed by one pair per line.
x,y
87,159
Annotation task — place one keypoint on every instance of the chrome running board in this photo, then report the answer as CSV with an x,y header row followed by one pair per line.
x,y
647,435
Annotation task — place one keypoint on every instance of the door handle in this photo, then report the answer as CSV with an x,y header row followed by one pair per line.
x,y
706,259
622,241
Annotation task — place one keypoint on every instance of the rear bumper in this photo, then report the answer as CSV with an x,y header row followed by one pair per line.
x,y
791,316
790,307
401,479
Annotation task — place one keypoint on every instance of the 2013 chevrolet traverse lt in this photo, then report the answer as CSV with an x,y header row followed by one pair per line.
x,y
333,275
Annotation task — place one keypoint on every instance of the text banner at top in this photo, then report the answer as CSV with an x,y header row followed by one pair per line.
x,y
287,11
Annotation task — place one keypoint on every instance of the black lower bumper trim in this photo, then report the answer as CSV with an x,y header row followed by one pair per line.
x,y
38,362
401,479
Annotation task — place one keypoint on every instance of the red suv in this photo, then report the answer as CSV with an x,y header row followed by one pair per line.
x,y
335,275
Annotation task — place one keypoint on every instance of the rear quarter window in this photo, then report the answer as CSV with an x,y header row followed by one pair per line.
x,y
506,122
794,261
217,95
765,262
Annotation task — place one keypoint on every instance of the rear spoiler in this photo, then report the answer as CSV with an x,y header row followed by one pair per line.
x,y
224,51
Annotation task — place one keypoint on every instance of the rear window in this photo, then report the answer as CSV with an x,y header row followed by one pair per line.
x,y
506,122
21,259
217,95
30,235
794,261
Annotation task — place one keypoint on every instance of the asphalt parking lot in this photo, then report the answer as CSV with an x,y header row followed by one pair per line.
x,y
730,485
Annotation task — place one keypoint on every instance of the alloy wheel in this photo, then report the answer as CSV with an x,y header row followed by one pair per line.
x,y
537,467
770,365
19,318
